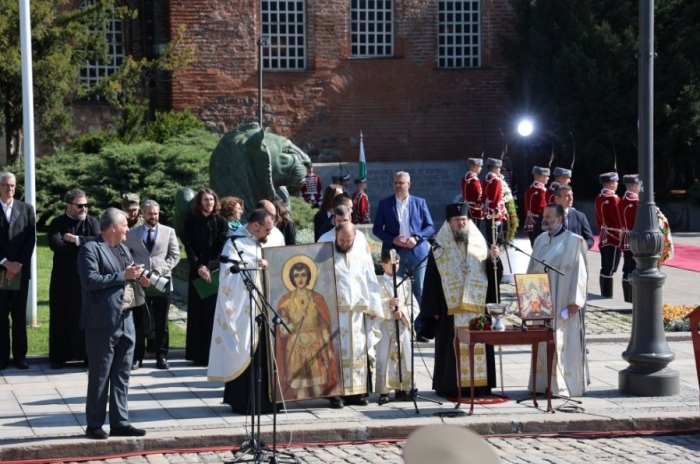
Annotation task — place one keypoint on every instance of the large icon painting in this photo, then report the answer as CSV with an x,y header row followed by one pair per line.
x,y
301,288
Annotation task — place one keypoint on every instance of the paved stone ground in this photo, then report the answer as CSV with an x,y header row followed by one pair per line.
x,y
638,449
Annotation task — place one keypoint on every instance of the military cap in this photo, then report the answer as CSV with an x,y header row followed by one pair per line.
x,y
475,162
609,177
561,172
540,171
456,209
361,180
131,201
344,177
494,162
631,179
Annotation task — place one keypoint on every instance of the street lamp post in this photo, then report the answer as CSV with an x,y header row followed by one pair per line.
x,y
263,41
648,353
525,129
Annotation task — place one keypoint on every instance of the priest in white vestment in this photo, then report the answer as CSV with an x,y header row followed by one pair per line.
x,y
566,252
360,312
343,215
232,335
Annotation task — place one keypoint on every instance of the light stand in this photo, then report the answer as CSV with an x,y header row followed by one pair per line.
x,y
258,450
413,393
547,268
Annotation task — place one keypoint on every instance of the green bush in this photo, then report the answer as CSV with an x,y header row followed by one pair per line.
x,y
302,213
152,170
94,142
171,124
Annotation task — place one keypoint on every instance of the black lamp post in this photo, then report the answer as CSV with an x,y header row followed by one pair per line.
x,y
263,41
648,353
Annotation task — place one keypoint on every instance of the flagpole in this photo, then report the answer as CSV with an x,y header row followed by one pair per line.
x,y
362,165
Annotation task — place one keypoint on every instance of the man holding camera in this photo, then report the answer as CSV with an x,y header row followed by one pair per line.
x,y
154,246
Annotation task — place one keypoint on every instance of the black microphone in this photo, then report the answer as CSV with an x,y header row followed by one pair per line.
x,y
502,241
434,243
227,259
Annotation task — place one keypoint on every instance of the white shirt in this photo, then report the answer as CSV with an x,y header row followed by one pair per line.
x,y
402,215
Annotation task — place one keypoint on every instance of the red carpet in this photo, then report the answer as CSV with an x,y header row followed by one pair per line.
x,y
491,399
684,256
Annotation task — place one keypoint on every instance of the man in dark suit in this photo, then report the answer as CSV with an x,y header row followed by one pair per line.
x,y
403,223
155,246
17,242
106,268
574,220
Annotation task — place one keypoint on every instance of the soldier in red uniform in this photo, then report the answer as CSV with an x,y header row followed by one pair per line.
x,y
311,189
628,210
360,203
471,190
562,176
607,216
494,206
535,200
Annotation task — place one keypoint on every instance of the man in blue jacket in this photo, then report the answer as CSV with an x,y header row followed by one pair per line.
x,y
403,223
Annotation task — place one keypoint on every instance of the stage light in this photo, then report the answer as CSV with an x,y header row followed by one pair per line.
x,y
525,128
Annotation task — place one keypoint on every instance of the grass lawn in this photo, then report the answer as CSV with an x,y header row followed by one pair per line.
x,y
38,337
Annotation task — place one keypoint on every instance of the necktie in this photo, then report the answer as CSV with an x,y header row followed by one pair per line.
x,y
150,241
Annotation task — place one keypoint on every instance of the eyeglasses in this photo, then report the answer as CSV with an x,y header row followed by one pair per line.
x,y
9,185
81,205
264,226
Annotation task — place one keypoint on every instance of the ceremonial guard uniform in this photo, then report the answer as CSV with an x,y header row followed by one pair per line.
x,y
561,176
494,206
360,204
535,200
471,190
312,187
609,225
628,210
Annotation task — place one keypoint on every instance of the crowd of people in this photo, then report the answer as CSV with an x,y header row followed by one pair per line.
x,y
106,312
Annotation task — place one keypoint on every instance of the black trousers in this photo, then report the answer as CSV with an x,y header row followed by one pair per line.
x,y
609,260
13,304
160,307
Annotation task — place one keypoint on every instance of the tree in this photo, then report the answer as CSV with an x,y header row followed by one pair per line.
x,y
575,66
62,41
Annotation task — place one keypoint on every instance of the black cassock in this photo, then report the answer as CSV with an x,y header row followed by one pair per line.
x,y
66,337
445,370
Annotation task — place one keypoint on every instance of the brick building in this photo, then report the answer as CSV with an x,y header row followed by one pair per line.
x,y
421,79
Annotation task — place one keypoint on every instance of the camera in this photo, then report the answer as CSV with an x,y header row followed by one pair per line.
x,y
159,282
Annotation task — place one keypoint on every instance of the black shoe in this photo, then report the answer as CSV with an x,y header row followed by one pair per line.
x,y
337,402
4,364
128,431
55,365
96,433
356,400
21,364
383,399
135,365
161,363
421,339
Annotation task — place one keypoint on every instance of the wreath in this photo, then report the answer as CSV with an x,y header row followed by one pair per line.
x,y
511,209
665,228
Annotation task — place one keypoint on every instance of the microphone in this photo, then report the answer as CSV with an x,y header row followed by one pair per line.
x,y
434,243
502,241
227,259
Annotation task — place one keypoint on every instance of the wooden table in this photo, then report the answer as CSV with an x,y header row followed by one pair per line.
x,y
513,335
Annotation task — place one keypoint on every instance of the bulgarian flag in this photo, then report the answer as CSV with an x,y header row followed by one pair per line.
x,y
363,163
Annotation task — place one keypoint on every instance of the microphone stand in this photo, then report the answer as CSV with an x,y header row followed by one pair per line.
x,y
547,268
413,393
254,446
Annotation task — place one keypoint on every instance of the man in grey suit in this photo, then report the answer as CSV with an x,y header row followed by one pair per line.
x,y
17,241
155,246
106,267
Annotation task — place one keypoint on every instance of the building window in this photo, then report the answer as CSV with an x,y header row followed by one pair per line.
x,y
459,33
284,28
372,28
93,71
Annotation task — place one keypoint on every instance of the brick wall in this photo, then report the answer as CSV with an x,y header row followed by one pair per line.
x,y
405,106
